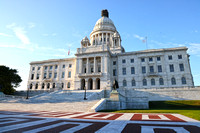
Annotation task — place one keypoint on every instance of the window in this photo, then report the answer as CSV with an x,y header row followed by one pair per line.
x,y
50,67
179,56
107,39
183,80
85,70
33,68
123,61
45,75
132,70
63,74
153,82
32,76
171,67
173,81
38,68
132,60
70,65
43,85
181,66
104,39
144,82
68,85
151,69
161,81
69,74
63,66
36,86
124,71
93,42
142,60
55,75
143,69
158,58
159,68
170,57
99,69
56,67
31,86
114,72
48,85
133,82
62,85
124,83
38,76
92,69
50,75
54,85
46,67
150,59
114,62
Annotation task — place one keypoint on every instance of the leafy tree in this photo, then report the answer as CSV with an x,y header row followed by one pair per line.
x,y
9,79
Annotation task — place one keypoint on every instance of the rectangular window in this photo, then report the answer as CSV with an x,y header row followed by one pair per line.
x,y
114,62
69,74
56,67
46,67
32,76
142,59
150,59
38,76
38,68
63,74
159,68
92,69
151,69
158,58
170,57
132,60
104,39
33,68
179,56
63,66
50,75
55,75
132,70
124,71
51,67
99,69
114,72
143,69
123,61
70,65
181,66
45,75
171,67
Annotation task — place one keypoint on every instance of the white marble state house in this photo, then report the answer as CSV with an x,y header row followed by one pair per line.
x,y
102,59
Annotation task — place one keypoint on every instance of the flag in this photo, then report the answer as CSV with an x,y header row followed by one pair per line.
x,y
68,51
144,40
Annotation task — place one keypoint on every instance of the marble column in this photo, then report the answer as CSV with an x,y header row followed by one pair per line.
x,y
87,66
95,67
94,84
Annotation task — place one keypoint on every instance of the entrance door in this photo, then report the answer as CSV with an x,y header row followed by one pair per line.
x,y
98,83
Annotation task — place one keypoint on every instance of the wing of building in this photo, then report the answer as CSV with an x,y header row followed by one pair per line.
x,y
101,59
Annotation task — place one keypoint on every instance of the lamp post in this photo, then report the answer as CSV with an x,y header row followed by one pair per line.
x,y
85,94
27,93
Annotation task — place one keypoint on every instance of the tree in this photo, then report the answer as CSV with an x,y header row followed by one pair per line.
x,y
9,79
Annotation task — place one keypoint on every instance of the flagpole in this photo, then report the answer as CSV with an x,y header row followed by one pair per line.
x,y
146,42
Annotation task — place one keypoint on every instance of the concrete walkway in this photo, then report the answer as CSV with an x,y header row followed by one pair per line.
x,y
86,122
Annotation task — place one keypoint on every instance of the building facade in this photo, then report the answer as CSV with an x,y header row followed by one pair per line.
x,y
102,59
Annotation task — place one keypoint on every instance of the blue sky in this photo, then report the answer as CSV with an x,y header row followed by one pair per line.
x,y
34,30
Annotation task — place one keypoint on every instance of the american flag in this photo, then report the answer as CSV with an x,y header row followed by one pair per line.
x,y
68,51
144,40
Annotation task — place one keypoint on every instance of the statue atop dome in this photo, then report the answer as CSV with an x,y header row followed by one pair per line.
x,y
104,13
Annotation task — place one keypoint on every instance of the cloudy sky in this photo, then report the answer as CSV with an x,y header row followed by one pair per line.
x,y
35,30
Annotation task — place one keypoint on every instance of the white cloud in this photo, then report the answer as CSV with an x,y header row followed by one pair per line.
x,y
194,48
31,25
138,37
6,35
54,34
20,33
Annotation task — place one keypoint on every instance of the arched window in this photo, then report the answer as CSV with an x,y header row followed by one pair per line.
x,y
36,86
62,85
161,81
43,85
54,85
133,82
173,81
68,85
31,86
48,85
153,82
183,80
124,83
144,81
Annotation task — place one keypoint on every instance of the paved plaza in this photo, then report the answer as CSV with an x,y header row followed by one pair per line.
x,y
15,121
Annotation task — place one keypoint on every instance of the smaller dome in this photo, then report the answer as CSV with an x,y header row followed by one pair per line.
x,y
85,39
116,34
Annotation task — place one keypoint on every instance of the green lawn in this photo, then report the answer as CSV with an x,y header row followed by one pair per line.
x,y
190,108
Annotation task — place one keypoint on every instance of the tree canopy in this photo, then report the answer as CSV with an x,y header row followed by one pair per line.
x,y
9,79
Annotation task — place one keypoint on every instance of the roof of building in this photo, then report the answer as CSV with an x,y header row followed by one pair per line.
x,y
52,60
